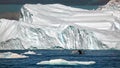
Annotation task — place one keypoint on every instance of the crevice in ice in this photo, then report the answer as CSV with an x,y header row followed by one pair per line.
x,y
26,16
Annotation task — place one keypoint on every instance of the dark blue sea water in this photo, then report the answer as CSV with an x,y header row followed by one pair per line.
x,y
66,2
103,59
16,7
10,8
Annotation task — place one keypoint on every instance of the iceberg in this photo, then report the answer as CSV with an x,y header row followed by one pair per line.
x,y
65,62
51,26
11,55
29,52
111,5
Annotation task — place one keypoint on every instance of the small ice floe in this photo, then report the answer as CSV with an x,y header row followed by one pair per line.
x,y
11,55
65,62
30,52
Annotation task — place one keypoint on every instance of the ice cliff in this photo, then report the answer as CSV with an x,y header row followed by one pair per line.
x,y
58,26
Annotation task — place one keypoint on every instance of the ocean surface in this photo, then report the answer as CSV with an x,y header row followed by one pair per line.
x,y
103,59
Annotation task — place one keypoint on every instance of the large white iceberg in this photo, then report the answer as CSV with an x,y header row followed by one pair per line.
x,y
55,25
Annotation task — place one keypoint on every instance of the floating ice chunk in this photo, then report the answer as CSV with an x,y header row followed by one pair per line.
x,y
65,62
30,52
11,55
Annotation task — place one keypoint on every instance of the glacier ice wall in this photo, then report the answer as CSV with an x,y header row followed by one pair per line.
x,y
58,26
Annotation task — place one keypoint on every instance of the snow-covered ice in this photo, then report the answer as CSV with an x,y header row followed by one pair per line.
x,y
65,62
11,55
30,52
55,25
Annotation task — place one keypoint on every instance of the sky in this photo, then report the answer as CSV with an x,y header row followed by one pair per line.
x,y
67,2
